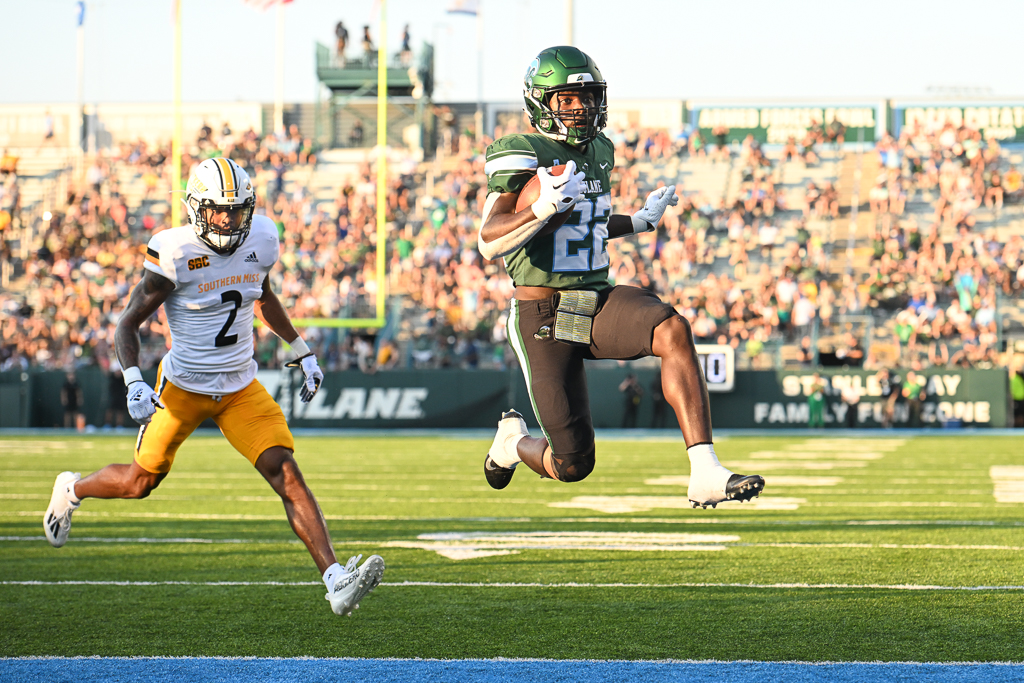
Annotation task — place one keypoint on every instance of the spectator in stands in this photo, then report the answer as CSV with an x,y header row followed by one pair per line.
x,y
767,234
816,403
721,135
850,396
330,246
828,202
836,132
891,387
851,352
807,154
632,394
48,127
914,392
8,164
117,405
789,151
994,191
204,135
405,54
355,134
697,145
805,354
341,34
1013,183
803,315
72,400
368,48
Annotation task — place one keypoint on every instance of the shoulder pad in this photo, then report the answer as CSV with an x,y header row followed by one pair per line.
x,y
511,162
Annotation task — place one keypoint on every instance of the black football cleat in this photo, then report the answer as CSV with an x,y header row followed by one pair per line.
x,y
744,487
510,425
705,490
497,477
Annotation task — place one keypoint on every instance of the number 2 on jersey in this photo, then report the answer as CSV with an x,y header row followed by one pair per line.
x,y
223,338
593,220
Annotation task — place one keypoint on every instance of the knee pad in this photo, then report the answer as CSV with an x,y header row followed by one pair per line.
x,y
573,466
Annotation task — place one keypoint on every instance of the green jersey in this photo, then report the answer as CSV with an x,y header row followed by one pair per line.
x,y
574,255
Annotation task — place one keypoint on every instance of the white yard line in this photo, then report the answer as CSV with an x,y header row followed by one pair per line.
x,y
471,584
695,519
546,541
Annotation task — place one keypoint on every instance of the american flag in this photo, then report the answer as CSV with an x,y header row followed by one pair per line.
x,y
471,7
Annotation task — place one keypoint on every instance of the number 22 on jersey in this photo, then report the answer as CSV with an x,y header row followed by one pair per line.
x,y
592,221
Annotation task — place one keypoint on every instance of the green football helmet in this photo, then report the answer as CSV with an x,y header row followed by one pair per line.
x,y
555,70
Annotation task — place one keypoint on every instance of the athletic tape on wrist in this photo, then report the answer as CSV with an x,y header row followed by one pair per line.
x,y
640,225
132,374
299,348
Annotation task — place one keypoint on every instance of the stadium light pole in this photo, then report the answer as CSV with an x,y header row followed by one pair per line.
x,y
568,22
82,130
382,157
176,136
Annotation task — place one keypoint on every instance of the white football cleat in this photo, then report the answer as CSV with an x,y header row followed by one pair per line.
x,y
57,520
510,426
715,485
355,584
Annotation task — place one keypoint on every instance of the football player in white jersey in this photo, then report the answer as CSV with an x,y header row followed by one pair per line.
x,y
211,278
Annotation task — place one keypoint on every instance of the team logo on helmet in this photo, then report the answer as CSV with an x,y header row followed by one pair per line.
x,y
562,69
220,203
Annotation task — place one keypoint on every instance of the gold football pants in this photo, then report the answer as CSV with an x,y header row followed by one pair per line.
x,y
250,419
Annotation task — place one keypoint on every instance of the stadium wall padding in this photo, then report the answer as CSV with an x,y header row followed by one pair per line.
x,y
404,399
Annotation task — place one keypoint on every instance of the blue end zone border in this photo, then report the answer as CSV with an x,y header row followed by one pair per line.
x,y
241,669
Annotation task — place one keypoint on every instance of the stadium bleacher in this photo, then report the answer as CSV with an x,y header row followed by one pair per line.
x,y
765,250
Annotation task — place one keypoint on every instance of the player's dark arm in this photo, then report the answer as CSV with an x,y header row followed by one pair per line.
x,y
503,217
144,301
271,313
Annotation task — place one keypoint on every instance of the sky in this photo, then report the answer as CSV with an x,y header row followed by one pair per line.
x,y
646,49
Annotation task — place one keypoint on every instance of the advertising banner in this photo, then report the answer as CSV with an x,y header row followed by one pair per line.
x,y
776,124
423,399
1003,122
854,398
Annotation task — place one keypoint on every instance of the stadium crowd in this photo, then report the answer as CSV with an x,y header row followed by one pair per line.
x,y
753,269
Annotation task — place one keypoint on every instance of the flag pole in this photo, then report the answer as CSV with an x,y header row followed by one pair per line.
x,y
176,139
479,118
83,129
382,157
279,90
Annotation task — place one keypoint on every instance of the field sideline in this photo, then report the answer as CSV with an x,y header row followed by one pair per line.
x,y
889,548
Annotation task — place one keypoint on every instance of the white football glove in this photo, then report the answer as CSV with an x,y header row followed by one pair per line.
x,y
558,192
647,218
142,402
312,373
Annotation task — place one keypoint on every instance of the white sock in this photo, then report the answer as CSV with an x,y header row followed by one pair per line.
x,y
331,576
69,492
509,455
702,457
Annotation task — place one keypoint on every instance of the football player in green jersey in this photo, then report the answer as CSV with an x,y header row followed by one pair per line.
x,y
565,310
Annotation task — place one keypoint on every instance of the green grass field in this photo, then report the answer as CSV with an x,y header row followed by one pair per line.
x,y
842,558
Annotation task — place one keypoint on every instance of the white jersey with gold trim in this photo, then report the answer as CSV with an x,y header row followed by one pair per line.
x,y
210,311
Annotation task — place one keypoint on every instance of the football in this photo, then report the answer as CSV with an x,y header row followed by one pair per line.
x,y
529,194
